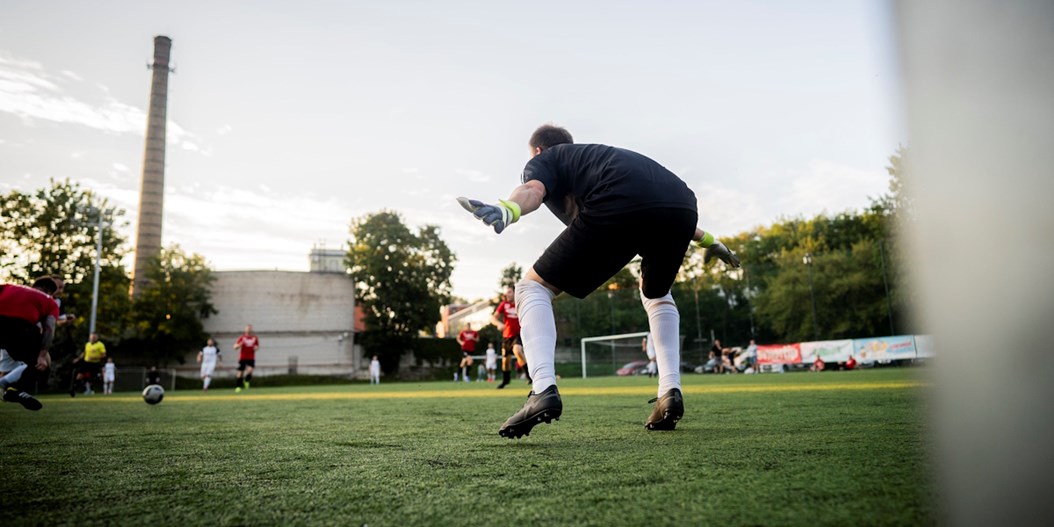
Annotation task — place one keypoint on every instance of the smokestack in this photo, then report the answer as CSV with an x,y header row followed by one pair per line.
x,y
152,191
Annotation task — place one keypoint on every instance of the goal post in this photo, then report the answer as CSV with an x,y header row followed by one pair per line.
x,y
610,338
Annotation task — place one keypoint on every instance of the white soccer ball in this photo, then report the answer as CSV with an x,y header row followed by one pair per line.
x,y
153,394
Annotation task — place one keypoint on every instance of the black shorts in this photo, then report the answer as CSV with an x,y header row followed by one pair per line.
x,y
465,354
592,249
93,369
22,340
507,343
242,364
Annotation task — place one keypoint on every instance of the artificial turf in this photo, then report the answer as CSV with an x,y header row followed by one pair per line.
x,y
837,448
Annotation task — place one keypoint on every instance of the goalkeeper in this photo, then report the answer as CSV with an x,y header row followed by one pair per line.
x,y
616,204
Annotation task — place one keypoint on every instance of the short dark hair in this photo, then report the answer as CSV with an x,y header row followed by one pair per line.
x,y
46,284
549,135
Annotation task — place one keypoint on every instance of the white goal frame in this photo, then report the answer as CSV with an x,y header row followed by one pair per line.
x,y
606,337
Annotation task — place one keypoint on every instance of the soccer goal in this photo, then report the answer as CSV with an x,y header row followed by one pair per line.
x,y
607,354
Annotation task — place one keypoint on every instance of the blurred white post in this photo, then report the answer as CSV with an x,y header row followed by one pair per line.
x,y
979,94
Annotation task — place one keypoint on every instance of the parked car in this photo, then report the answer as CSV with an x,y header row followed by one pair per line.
x,y
637,367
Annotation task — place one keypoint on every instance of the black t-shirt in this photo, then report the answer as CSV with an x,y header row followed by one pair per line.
x,y
602,180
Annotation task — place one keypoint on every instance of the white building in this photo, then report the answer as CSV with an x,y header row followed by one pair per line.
x,y
306,321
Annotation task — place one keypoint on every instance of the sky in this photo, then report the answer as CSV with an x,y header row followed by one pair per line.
x,y
287,120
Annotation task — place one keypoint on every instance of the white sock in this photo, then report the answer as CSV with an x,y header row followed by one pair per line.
x,y
12,376
534,307
664,322
208,381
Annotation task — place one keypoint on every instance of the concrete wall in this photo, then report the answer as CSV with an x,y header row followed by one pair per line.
x,y
303,317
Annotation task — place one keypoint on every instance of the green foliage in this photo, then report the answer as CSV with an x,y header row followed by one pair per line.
x,y
168,311
491,334
401,280
511,274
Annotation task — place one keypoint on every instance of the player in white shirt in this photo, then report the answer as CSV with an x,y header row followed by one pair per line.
x,y
208,357
491,361
649,348
109,374
375,371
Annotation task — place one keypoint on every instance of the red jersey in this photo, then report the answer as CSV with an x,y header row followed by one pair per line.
x,y
507,312
468,339
249,345
26,303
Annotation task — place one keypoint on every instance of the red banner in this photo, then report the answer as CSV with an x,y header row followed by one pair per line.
x,y
779,354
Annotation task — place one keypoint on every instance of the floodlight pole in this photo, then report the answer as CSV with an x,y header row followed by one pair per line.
x,y
885,284
95,281
807,260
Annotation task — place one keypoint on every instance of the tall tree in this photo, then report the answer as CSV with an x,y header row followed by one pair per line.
x,y
511,274
168,313
401,280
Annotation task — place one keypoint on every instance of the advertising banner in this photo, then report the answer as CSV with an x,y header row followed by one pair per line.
x,y
779,354
827,350
884,348
924,346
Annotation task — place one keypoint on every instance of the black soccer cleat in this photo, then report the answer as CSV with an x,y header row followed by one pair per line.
x,y
14,395
540,408
667,412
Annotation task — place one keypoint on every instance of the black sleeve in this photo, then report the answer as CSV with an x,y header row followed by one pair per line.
x,y
536,170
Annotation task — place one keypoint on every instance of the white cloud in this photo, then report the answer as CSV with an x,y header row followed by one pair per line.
x,y
120,167
728,211
224,130
30,93
827,186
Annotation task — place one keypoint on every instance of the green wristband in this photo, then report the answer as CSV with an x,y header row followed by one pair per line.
x,y
707,240
512,206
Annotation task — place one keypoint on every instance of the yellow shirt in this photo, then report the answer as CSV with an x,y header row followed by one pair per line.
x,y
94,352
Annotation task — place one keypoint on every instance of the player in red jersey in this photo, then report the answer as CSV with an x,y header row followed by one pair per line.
x,y
508,322
247,345
468,339
27,326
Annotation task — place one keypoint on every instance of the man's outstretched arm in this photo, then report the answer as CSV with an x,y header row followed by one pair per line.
x,y
524,199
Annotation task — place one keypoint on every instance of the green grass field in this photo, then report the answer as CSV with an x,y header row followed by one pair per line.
x,y
838,448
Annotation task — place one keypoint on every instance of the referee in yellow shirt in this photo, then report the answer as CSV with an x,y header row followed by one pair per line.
x,y
94,356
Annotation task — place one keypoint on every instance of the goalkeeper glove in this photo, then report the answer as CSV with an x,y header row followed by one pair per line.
x,y
715,249
499,216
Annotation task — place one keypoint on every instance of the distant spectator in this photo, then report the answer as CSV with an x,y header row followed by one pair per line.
x,y
727,364
817,365
848,365
711,363
649,350
109,375
153,376
375,371
491,362
751,354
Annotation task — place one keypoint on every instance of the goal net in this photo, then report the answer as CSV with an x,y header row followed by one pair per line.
x,y
607,354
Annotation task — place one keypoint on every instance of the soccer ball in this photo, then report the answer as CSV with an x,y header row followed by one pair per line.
x,y
153,394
